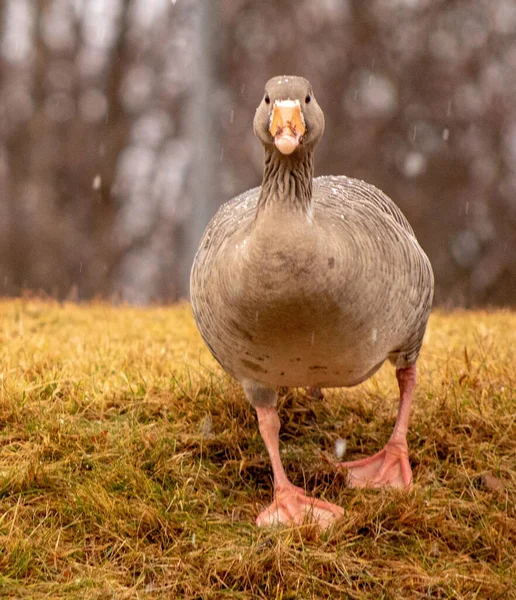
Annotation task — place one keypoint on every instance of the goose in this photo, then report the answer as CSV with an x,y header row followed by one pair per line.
x,y
315,283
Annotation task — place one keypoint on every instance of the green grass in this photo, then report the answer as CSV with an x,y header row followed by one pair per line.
x,y
132,467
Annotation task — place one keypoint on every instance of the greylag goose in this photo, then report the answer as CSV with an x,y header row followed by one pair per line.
x,y
311,282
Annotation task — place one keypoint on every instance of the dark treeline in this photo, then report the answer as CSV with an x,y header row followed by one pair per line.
x,y
125,123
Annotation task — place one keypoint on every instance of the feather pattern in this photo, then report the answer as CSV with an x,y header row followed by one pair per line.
x,y
316,297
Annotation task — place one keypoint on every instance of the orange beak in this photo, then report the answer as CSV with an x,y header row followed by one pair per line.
x,y
287,125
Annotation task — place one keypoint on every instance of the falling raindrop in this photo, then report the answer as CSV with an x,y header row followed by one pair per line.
x,y
415,164
97,182
340,448
446,134
374,334
313,338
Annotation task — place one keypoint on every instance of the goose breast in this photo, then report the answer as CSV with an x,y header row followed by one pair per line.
x,y
321,303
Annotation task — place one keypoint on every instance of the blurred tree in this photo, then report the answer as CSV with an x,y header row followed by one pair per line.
x,y
125,123
203,193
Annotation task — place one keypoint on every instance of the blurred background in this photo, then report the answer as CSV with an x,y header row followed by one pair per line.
x,y
124,124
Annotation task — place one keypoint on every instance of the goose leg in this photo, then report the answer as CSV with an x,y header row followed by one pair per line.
x,y
290,504
390,467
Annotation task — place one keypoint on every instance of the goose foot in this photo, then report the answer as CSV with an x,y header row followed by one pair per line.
x,y
388,468
292,506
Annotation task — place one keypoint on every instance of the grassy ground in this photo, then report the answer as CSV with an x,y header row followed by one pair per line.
x,y
131,467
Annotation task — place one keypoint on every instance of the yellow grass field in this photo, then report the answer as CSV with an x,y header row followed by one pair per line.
x,y
131,466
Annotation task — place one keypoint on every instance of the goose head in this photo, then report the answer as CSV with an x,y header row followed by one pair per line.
x,y
288,118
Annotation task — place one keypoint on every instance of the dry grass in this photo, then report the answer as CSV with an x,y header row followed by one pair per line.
x,y
131,467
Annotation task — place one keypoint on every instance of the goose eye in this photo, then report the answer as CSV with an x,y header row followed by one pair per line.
x,y
308,98
267,99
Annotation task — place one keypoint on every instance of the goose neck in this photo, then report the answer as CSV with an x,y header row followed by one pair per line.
x,y
287,183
